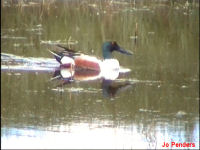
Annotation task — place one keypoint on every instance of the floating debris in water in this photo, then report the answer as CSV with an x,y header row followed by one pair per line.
x,y
119,3
133,37
75,89
128,80
52,42
151,33
9,30
34,29
99,100
39,25
146,110
58,90
13,37
149,82
139,9
195,80
92,5
90,90
16,45
183,86
68,42
180,114
17,74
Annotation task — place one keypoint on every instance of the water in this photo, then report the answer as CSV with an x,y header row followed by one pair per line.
x,y
156,102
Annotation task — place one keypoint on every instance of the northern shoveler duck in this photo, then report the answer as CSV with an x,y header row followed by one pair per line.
x,y
72,58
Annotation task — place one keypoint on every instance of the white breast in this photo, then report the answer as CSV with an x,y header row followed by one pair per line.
x,y
67,60
110,69
110,64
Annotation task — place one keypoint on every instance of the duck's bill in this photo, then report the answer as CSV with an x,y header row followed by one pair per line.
x,y
124,51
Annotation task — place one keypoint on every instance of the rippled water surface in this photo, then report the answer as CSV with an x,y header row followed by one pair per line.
x,y
156,103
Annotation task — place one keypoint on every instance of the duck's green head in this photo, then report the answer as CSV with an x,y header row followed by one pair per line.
x,y
109,47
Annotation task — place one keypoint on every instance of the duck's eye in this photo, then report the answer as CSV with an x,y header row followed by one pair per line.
x,y
114,43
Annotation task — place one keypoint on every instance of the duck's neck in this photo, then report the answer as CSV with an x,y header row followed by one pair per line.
x,y
106,52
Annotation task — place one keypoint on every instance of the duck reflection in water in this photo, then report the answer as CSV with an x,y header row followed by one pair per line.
x,y
111,85
111,88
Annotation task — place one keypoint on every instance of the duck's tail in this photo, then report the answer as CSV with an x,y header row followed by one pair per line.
x,y
58,56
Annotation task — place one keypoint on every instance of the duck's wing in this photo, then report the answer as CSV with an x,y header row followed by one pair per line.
x,y
67,51
64,51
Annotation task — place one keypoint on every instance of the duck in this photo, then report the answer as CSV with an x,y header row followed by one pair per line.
x,y
73,59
